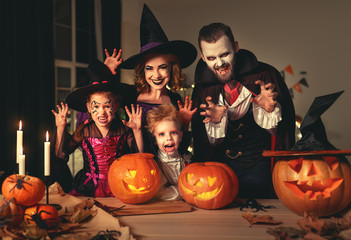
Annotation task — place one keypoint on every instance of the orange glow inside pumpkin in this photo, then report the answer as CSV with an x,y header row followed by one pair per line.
x,y
317,188
199,184
137,188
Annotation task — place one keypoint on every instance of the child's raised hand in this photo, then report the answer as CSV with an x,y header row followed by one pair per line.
x,y
186,113
134,117
61,115
112,62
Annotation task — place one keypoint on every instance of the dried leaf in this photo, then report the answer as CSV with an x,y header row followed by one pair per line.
x,y
260,219
285,233
80,212
346,234
32,231
314,236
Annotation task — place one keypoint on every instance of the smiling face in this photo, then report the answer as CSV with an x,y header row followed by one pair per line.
x,y
219,57
102,108
157,72
168,136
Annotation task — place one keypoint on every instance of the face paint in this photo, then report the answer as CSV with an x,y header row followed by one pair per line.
x,y
157,72
168,136
102,109
219,57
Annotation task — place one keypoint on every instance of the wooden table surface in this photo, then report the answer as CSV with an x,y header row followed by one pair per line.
x,y
203,224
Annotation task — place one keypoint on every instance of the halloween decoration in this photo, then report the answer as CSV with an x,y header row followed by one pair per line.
x,y
314,178
251,204
12,212
26,190
134,178
208,185
44,216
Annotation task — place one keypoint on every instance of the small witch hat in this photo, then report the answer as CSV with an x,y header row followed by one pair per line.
x,y
314,136
154,40
100,79
314,139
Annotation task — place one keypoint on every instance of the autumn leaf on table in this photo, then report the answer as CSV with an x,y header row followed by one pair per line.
x,y
260,219
81,212
285,233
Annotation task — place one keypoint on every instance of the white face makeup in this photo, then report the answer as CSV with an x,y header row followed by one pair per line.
x,y
219,57
102,109
157,72
168,136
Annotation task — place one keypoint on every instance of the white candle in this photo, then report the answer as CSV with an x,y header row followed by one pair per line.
x,y
47,155
21,163
19,141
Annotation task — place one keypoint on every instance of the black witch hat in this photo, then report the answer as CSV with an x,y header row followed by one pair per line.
x,y
100,79
154,40
314,136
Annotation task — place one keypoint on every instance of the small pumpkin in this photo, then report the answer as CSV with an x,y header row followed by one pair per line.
x,y
134,178
26,190
318,185
43,215
12,212
208,185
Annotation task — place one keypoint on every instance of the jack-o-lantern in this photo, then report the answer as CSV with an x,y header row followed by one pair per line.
x,y
134,178
318,185
208,185
11,212
26,190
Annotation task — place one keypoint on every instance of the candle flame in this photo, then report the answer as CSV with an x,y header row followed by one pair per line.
x,y
21,150
47,136
20,125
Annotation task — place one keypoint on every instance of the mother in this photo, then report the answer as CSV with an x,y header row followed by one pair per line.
x,y
158,71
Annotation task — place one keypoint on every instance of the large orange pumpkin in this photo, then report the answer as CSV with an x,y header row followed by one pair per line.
x,y
318,185
26,190
11,211
43,215
208,185
134,178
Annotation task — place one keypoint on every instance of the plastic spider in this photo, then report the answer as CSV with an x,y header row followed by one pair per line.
x,y
36,217
19,182
252,204
106,235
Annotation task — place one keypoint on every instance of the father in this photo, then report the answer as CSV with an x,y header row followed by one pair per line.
x,y
246,108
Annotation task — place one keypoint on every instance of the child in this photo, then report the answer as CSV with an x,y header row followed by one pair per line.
x,y
164,123
103,138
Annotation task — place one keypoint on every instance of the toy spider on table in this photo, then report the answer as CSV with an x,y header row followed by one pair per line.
x,y
252,204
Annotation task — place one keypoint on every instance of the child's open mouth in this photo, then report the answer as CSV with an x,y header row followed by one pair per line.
x,y
169,148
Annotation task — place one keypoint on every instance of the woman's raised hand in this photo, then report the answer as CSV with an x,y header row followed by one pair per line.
x,y
112,62
186,113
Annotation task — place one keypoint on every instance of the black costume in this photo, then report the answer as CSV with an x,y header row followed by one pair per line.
x,y
244,142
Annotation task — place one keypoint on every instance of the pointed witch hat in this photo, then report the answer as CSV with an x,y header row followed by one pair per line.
x,y
154,40
100,79
314,139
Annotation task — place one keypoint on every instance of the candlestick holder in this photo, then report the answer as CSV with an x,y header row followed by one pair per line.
x,y
47,183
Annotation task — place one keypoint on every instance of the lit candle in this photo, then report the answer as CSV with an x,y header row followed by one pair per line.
x,y
21,163
19,141
47,155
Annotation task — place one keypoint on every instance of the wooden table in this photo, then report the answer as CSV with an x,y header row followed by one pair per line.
x,y
203,224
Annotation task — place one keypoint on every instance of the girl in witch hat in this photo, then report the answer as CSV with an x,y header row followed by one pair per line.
x,y
103,137
158,72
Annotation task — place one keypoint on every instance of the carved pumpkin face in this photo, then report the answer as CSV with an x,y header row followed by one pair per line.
x,y
134,178
319,185
26,190
208,185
